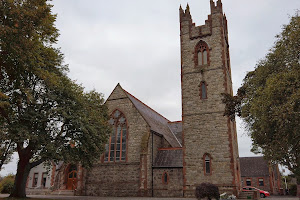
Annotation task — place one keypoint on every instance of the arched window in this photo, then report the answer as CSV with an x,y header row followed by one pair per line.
x,y
115,151
203,90
207,164
165,178
201,54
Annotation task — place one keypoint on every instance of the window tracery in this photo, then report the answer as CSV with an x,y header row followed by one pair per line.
x,y
115,151
201,54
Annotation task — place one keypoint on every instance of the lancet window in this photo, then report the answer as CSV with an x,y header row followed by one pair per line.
x,y
203,90
201,54
115,150
207,164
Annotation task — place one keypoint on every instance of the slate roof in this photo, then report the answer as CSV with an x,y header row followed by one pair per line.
x,y
176,128
157,122
169,158
254,166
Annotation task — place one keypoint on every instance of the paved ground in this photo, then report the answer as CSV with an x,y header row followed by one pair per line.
x,y
130,198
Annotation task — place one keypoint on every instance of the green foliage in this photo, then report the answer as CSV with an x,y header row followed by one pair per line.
x,y
208,190
269,100
42,111
41,108
293,189
6,184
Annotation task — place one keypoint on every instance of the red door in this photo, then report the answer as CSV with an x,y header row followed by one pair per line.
x,y
72,180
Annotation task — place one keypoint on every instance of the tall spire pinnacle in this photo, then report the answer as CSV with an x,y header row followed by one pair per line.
x,y
216,8
219,3
181,12
187,10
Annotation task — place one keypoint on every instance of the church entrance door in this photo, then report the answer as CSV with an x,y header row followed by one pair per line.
x,y
72,178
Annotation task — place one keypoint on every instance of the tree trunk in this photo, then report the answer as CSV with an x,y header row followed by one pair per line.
x,y
21,177
298,185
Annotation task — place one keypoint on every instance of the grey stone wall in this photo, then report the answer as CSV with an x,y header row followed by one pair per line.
x,y
205,129
122,178
173,188
119,179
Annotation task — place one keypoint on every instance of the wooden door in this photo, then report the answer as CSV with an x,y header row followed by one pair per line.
x,y
72,180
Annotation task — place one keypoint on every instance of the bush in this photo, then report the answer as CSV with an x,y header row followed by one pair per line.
x,y
293,189
207,190
7,184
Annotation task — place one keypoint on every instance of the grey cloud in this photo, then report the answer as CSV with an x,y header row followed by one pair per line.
x,y
137,44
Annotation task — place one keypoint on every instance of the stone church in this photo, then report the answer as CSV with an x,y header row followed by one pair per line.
x,y
149,155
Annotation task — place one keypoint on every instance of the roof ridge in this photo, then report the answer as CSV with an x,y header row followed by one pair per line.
x,y
175,136
175,121
146,105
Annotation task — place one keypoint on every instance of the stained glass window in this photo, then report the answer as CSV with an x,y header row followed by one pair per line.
x,y
115,151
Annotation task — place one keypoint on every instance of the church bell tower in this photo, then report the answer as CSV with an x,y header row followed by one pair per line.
x,y
210,148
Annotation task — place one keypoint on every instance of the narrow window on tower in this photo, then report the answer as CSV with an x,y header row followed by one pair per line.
x,y
204,57
200,57
201,54
203,90
207,164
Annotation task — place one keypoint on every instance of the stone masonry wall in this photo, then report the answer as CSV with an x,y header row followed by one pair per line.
x,y
205,129
122,178
157,143
173,188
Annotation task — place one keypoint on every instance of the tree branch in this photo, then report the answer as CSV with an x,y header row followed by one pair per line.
x,y
36,163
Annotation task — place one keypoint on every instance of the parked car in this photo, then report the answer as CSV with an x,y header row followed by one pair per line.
x,y
262,193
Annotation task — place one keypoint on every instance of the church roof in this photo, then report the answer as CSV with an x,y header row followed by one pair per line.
x,y
176,128
254,166
156,121
169,158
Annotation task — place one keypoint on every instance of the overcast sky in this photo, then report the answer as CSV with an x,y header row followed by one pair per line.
x,y
136,43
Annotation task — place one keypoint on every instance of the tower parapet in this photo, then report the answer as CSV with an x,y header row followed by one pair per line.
x,y
188,27
216,8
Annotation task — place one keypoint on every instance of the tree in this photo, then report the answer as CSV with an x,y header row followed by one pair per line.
x,y
269,100
6,146
6,185
44,115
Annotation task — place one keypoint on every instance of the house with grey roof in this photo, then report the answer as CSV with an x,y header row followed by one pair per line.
x,y
260,173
